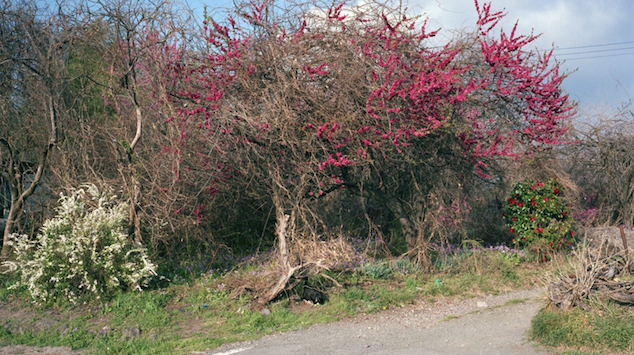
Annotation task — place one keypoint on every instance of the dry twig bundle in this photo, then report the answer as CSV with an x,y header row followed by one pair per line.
x,y
601,271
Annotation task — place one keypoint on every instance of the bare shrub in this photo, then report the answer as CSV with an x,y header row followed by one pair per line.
x,y
602,165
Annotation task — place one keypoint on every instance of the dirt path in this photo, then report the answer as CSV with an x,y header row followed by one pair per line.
x,y
444,327
486,325
31,350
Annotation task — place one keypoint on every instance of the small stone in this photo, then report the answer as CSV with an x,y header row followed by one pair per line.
x,y
265,312
482,304
131,333
63,329
43,325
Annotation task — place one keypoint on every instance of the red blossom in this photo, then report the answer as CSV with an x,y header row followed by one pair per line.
x,y
412,91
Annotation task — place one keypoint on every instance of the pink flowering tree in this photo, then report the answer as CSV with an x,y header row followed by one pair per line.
x,y
340,102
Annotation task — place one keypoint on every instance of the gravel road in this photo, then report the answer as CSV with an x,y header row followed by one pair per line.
x,y
487,325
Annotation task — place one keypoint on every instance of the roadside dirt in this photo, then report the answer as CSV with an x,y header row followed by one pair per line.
x,y
31,350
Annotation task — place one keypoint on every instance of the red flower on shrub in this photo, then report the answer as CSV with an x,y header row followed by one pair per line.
x,y
548,212
512,230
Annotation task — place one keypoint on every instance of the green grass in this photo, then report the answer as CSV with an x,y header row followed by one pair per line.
x,y
515,301
599,330
200,315
449,317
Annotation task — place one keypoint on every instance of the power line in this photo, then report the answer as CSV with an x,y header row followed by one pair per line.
x,y
593,46
597,51
600,56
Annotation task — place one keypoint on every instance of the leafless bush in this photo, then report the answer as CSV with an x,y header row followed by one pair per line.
x,y
602,165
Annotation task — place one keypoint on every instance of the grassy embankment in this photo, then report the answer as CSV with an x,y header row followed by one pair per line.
x,y
205,312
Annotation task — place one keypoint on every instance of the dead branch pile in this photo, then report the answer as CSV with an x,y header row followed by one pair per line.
x,y
600,271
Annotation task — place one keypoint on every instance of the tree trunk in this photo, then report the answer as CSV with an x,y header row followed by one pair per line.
x,y
19,193
14,214
281,231
412,222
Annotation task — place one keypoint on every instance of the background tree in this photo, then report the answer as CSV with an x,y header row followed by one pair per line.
x,y
602,165
33,52
303,114
120,95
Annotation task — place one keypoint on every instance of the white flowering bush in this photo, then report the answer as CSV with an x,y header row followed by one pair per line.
x,y
83,252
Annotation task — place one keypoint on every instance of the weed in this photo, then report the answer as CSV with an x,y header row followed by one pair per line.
x,y
405,266
515,301
376,270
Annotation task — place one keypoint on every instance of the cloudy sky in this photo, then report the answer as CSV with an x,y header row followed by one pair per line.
x,y
593,38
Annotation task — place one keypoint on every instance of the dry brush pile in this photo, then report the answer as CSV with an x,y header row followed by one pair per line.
x,y
602,270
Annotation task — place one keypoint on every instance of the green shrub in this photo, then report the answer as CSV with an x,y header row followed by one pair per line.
x,y
405,266
376,270
83,252
537,215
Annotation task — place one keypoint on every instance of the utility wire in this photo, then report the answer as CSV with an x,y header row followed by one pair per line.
x,y
599,56
597,51
593,46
